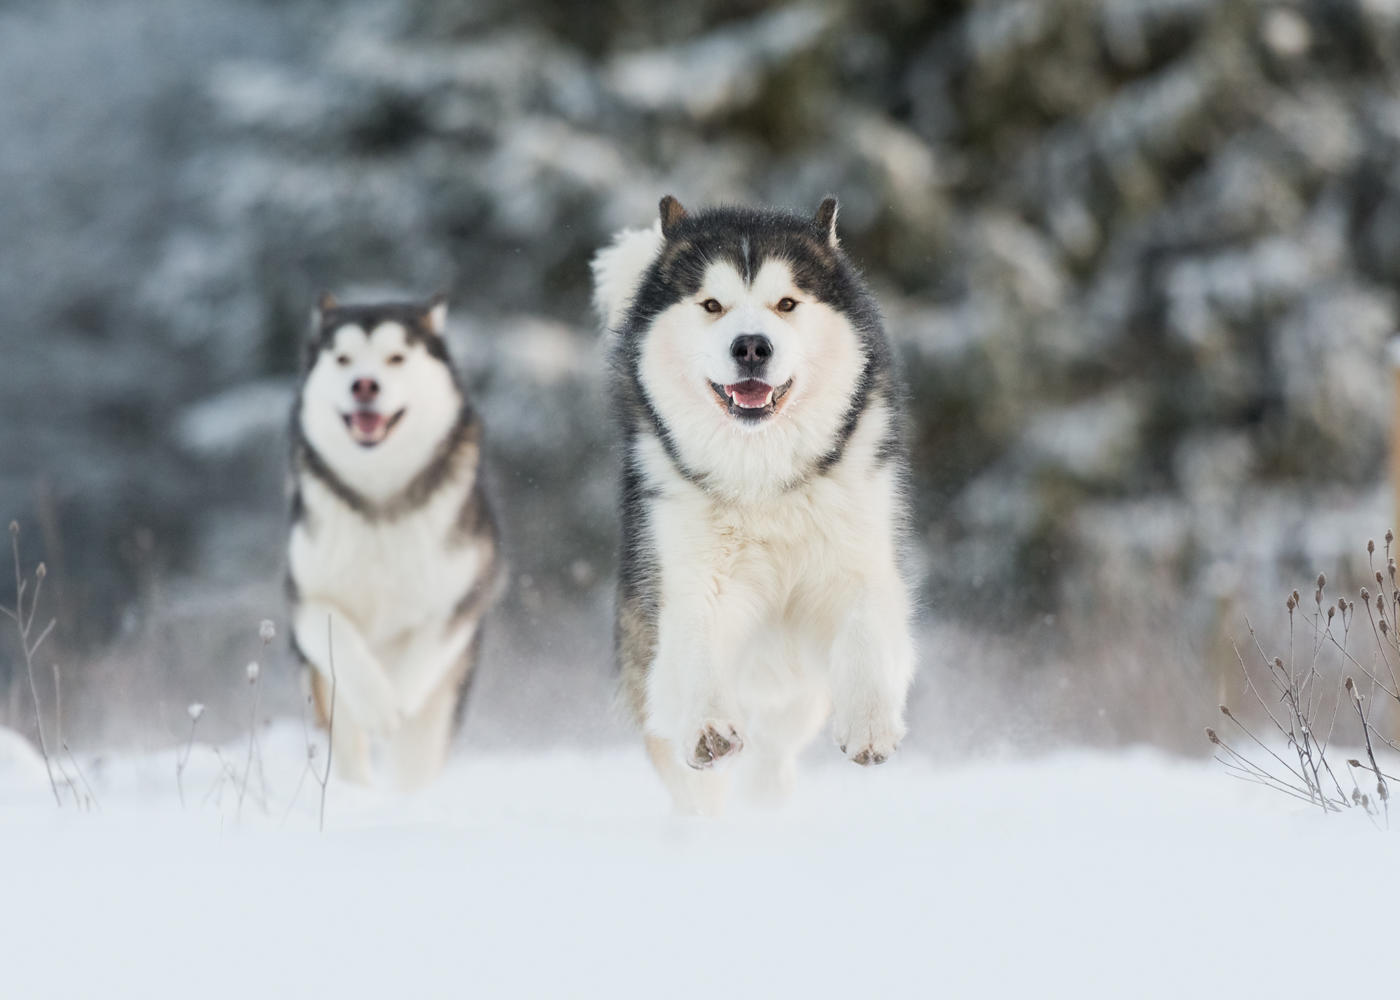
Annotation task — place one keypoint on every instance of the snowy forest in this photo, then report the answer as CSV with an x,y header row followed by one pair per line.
x,y
1138,256
1140,260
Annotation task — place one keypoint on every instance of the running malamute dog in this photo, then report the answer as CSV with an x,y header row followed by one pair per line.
x,y
760,586
393,558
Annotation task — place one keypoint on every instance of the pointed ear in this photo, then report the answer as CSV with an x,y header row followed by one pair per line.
x,y
325,302
437,313
672,212
825,219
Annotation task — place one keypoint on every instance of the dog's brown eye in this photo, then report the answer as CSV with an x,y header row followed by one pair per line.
x,y
786,304
342,360
395,359
712,306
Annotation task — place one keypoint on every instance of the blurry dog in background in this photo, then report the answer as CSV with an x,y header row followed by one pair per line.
x,y
393,556
761,589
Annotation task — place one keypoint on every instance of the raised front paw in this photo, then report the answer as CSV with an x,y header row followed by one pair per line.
x,y
713,742
870,741
871,754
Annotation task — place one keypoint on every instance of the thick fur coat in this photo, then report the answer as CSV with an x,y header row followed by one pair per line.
x,y
393,552
762,590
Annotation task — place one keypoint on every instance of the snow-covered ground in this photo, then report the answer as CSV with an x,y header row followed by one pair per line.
x,y
562,874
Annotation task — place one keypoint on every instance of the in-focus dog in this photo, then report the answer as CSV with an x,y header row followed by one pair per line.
x,y
393,545
763,509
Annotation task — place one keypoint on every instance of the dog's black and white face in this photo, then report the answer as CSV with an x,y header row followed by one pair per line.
x,y
748,339
379,393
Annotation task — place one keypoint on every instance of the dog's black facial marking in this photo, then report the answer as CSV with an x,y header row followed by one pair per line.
x,y
746,238
417,323
415,318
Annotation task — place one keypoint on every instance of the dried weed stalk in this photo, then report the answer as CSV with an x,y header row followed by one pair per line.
x,y
29,644
1300,706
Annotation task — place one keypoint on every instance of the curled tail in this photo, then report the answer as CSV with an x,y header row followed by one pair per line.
x,y
617,272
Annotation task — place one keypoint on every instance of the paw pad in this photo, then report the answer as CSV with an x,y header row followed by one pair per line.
x,y
713,745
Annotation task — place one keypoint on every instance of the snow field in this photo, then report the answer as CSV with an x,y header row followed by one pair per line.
x,y
562,874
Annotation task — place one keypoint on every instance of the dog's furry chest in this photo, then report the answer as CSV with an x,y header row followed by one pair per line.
x,y
784,558
388,575
740,541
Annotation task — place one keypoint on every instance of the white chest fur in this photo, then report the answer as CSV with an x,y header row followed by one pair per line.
x,y
791,555
770,606
788,560
389,576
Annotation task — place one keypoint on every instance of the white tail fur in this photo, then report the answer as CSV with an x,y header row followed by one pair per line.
x,y
618,270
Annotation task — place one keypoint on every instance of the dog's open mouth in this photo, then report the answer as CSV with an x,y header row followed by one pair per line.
x,y
751,399
370,427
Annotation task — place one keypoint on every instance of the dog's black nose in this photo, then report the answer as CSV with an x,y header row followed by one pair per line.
x,y
751,350
364,390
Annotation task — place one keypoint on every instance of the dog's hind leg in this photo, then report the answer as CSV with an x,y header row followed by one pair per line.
x,y
694,791
350,756
419,751
779,737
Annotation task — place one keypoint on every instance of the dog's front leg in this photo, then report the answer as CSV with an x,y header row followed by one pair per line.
x,y
689,702
335,648
871,669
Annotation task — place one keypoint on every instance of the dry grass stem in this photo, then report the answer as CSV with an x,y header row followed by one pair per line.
x,y
325,779
24,625
1292,693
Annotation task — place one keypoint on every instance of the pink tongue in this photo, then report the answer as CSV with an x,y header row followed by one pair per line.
x,y
367,423
750,393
